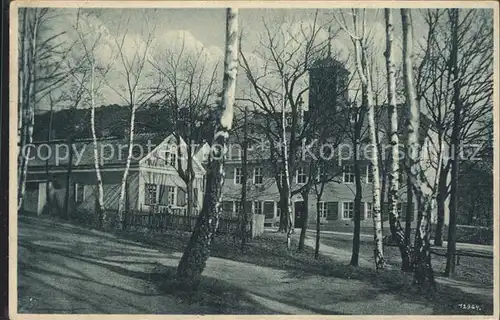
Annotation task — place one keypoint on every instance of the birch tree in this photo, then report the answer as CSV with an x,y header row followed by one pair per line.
x,y
397,230
135,93
423,273
360,48
91,77
42,53
194,259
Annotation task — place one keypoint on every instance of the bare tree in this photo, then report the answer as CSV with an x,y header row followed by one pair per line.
x,y
41,56
436,84
194,259
397,230
277,89
359,41
89,77
424,275
135,94
189,81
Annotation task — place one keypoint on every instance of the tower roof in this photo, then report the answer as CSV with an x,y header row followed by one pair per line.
x,y
328,62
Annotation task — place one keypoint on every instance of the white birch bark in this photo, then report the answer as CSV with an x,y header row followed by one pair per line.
x,y
27,118
286,187
100,190
424,275
194,259
397,230
363,71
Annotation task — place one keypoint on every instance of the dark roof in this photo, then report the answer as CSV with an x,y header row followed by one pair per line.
x,y
112,151
328,62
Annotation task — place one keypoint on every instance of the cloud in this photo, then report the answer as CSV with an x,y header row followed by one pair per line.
x,y
182,42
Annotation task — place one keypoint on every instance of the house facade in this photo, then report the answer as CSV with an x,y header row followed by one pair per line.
x,y
327,95
336,205
58,173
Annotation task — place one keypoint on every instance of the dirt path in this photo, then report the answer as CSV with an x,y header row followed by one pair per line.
x,y
67,269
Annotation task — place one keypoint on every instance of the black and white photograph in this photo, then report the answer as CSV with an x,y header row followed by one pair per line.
x,y
253,158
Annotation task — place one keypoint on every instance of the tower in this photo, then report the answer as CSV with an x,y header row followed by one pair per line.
x,y
328,83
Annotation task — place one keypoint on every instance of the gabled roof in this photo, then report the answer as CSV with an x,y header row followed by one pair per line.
x,y
112,151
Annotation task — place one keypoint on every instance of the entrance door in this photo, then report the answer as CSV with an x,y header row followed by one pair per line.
x,y
299,214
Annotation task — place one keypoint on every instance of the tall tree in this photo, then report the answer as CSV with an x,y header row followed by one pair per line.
x,y
137,93
436,85
423,273
455,140
90,75
276,72
189,81
42,53
194,259
360,51
397,230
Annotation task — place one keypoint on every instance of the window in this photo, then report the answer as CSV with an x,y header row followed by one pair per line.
x,y
235,152
257,175
278,209
281,175
79,193
347,210
348,175
171,195
368,210
237,175
257,207
301,175
322,210
171,158
237,208
151,190
369,175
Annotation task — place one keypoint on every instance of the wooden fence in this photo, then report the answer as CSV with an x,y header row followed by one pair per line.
x,y
176,221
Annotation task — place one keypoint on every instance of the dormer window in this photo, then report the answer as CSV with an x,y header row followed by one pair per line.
x,y
171,159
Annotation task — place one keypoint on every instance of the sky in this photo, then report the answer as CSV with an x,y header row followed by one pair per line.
x,y
203,30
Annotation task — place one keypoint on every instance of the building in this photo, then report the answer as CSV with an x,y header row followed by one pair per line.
x,y
153,182
336,206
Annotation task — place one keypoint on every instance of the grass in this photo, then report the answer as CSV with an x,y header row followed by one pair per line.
x,y
269,251
476,270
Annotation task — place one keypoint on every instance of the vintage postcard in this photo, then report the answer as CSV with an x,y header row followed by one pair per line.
x,y
253,158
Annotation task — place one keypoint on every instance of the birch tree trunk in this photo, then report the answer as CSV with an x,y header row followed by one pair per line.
x,y
376,210
27,118
363,71
286,193
397,230
101,211
194,259
455,141
423,273
121,201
